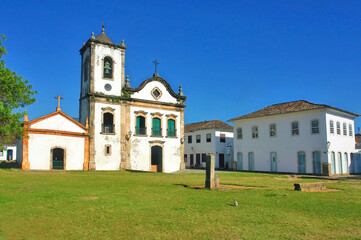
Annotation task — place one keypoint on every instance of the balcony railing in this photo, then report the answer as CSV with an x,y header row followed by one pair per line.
x,y
156,132
140,131
171,133
108,128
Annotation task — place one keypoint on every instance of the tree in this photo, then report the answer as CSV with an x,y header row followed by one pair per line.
x,y
14,93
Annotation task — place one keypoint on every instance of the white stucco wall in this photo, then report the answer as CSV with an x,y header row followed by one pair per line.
x,y
103,162
284,144
140,153
40,146
116,54
145,93
57,122
215,146
340,142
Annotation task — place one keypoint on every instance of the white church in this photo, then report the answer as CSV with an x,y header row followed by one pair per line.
x,y
119,127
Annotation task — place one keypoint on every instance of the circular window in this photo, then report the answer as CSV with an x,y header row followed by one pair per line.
x,y
108,87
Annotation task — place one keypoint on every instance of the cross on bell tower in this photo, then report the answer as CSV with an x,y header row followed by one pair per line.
x,y
58,97
155,63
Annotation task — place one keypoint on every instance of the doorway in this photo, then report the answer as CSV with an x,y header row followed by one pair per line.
x,y
221,160
10,155
239,161
191,160
58,158
273,159
156,159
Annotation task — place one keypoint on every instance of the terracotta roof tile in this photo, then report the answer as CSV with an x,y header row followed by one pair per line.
x,y
215,124
288,107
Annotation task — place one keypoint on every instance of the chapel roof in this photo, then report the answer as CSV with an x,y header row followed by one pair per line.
x,y
158,79
214,124
288,107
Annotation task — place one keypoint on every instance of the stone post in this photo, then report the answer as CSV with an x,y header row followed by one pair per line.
x,y
210,172
234,165
326,169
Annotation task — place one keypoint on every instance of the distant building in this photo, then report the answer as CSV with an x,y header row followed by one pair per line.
x,y
9,153
206,137
295,137
358,142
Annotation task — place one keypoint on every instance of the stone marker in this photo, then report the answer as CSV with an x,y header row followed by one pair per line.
x,y
310,187
210,166
216,181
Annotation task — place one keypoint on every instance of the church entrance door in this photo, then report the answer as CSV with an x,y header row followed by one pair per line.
x,y
157,159
58,158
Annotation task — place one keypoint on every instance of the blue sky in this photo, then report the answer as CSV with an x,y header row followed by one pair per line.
x,y
232,57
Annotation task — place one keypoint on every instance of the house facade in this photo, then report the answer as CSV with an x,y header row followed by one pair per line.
x,y
10,150
295,137
206,137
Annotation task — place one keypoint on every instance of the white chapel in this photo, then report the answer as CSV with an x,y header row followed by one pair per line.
x,y
121,128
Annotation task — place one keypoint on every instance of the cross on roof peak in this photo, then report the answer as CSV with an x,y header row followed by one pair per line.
x,y
155,63
58,97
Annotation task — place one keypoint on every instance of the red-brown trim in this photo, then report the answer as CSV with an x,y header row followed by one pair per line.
x,y
57,132
54,114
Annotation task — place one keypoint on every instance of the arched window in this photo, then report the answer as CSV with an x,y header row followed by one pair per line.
x,y
108,67
140,126
171,128
108,123
156,127
332,130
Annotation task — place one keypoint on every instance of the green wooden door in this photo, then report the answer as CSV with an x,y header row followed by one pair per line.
x,y
157,158
58,158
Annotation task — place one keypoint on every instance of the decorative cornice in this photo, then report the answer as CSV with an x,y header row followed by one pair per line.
x,y
156,114
157,141
140,112
108,109
158,79
171,115
88,43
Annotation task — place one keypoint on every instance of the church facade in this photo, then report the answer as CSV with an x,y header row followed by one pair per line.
x,y
129,128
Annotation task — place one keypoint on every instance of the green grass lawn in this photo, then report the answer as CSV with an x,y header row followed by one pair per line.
x,y
130,205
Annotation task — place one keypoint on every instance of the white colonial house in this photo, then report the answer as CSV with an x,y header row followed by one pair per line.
x,y
206,137
295,137
10,151
127,128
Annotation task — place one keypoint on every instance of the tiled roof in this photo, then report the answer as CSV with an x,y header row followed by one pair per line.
x,y
104,38
215,124
288,107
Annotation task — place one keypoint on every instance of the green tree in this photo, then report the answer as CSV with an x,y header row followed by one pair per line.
x,y
14,93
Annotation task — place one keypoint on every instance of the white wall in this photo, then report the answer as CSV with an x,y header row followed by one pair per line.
x,y
40,151
102,161
215,146
340,143
116,54
284,144
57,122
140,145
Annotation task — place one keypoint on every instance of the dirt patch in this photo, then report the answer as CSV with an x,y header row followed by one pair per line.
x,y
227,186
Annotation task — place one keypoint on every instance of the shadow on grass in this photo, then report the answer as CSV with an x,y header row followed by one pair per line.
x,y
9,164
186,186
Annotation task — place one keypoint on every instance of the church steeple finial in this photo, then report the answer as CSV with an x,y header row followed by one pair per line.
x,y
103,27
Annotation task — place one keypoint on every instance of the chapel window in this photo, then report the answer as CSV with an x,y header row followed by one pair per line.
x,y
156,127
108,68
295,129
140,128
171,131
108,123
108,150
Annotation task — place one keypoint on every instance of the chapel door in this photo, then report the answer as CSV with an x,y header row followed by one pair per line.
x,y
157,159
221,160
58,158
273,161
10,155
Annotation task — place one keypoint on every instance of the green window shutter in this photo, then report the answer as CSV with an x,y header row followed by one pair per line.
x,y
138,125
156,127
171,128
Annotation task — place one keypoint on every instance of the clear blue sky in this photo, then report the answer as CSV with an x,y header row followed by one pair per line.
x,y
232,57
